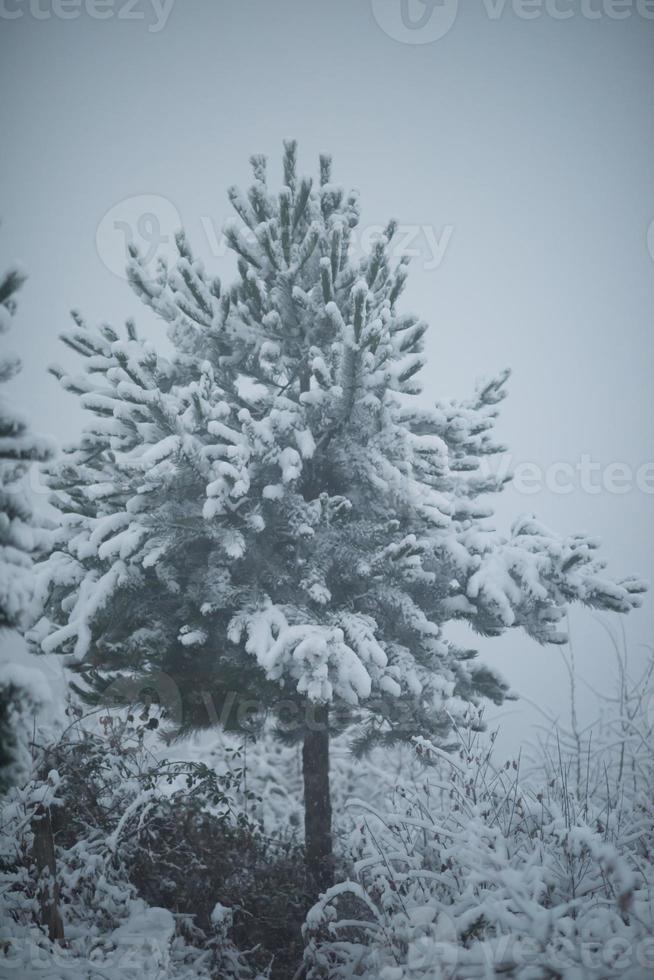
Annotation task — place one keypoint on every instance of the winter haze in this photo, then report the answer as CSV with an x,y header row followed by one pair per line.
x,y
523,147
251,538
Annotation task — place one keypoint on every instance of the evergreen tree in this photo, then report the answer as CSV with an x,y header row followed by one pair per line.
x,y
265,516
19,537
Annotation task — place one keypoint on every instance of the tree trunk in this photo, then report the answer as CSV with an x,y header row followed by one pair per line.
x,y
317,802
44,856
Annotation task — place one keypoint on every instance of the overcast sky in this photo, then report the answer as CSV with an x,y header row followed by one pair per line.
x,y
518,153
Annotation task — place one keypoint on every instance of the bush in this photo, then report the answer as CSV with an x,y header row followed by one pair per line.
x,y
186,858
152,866
477,870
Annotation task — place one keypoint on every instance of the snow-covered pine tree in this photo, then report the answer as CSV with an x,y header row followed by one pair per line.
x,y
266,515
19,536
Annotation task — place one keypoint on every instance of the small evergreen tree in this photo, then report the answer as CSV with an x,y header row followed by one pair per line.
x,y
265,516
19,536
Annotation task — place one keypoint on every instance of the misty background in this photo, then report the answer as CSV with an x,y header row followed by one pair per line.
x,y
524,149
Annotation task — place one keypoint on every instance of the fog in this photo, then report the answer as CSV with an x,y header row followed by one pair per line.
x,y
516,153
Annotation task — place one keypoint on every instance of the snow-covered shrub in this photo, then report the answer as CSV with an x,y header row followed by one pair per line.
x,y
187,858
479,870
94,799
21,691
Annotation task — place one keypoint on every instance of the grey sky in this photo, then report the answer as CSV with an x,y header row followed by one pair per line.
x,y
524,146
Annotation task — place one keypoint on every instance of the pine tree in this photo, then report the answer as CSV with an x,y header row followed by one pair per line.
x,y
265,517
19,537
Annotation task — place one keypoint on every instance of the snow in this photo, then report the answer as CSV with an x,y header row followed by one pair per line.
x,y
305,443
31,680
221,916
290,464
152,927
40,689
506,874
192,637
